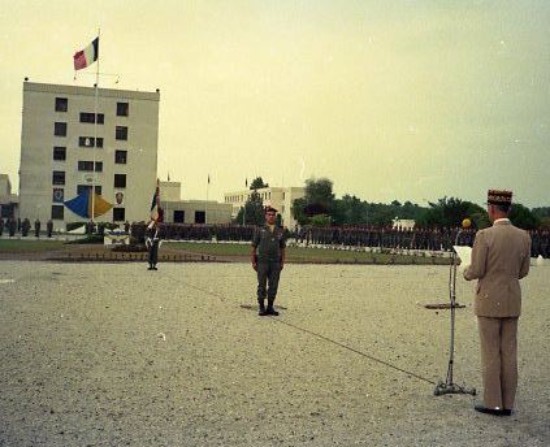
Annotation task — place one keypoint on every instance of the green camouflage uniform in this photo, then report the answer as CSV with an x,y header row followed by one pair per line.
x,y
269,246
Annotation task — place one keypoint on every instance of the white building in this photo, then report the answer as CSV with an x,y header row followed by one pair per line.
x,y
61,142
8,201
191,211
279,198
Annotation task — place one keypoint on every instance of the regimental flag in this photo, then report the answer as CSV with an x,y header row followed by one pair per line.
x,y
87,56
157,213
81,205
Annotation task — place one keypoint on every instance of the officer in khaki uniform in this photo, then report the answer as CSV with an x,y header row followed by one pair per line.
x,y
500,258
268,257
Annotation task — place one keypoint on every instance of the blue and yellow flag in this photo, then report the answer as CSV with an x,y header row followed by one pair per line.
x,y
81,205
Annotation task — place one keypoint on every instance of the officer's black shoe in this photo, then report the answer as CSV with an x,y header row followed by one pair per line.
x,y
150,267
155,268
262,312
271,311
493,411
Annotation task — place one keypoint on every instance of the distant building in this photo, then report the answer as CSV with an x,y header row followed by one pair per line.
x,y
280,198
8,201
403,224
191,211
65,153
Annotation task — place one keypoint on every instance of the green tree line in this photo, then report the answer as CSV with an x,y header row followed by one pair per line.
x,y
320,207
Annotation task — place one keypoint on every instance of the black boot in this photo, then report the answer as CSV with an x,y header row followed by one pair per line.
x,y
261,307
270,310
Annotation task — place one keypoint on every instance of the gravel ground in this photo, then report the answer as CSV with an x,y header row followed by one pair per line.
x,y
114,355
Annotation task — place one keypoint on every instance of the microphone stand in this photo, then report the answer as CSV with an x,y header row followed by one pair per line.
x,y
449,387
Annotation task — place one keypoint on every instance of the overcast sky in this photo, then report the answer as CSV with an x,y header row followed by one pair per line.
x,y
390,99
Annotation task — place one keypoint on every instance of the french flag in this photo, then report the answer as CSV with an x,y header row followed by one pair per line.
x,y
87,56
157,213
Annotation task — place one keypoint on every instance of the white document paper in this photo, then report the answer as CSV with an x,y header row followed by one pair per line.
x,y
464,253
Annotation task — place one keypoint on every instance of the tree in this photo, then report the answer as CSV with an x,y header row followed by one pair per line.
x,y
450,213
253,211
298,207
258,183
521,217
318,200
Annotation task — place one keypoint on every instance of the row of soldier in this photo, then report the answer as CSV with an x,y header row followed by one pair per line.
x,y
357,236
14,226
372,237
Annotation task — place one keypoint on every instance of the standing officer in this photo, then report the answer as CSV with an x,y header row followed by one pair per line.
x,y
153,243
49,227
500,258
268,257
37,228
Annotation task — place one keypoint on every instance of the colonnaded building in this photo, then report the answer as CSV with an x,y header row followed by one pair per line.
x,y
64,134
280,198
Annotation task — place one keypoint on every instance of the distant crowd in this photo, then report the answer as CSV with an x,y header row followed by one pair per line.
x,y
13,227
352,236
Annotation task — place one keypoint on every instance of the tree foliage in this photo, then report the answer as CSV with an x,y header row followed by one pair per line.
x,y
258,183
450,212
253,211
447,212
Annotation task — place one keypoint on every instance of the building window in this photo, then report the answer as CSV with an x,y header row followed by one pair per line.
x,y
86,117
89,166
58,212
81,189
120,180
179,216
58,177
122,108
121,133
60,129
119,214
121,157
59,153
200,217
61,104
90,142
58,195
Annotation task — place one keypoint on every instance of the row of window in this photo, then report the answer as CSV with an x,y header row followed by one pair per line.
x,y
62,105
245,197
58,194
60,154
58,177
60,130
58,213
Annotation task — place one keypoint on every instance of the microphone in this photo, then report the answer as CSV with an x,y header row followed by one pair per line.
x,y
466,223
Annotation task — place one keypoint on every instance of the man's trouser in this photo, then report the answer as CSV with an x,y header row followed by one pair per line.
x,y
268,275
499,364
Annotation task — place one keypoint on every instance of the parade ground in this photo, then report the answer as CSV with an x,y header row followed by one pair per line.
x,y
111,354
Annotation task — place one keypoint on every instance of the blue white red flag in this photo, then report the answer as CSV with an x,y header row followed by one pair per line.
x,y
87,56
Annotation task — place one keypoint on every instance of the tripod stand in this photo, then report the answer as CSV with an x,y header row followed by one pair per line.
x,y
449,387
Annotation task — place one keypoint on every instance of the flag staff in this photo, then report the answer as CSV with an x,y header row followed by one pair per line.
x,y
206,204
94,147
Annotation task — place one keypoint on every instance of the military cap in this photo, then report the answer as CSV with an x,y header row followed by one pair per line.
x,y
499,197
270,209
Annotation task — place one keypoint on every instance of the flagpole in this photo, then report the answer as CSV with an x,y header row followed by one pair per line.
x,y
245,200
94,148
206,205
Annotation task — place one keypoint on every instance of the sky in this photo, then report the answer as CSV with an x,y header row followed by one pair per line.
x,y
390,99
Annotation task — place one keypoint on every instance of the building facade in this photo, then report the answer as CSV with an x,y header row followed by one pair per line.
x,y
8,201
191,211
76,139
279,198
